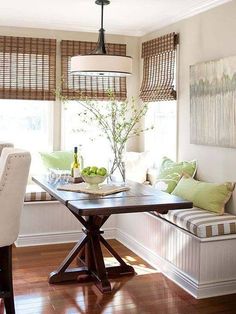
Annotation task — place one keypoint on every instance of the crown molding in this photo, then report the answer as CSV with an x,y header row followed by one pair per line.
x,y
205,6
57,25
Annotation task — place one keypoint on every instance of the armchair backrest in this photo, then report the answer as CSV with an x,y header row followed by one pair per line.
x,y
3,145
14,171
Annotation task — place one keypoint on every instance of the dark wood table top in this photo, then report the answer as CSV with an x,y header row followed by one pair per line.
x,y
140,198
65,196
160,203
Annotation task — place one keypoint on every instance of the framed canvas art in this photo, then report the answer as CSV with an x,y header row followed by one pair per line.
x,y
213,103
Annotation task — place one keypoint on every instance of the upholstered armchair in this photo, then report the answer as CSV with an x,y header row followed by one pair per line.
x,y
14,170
3,145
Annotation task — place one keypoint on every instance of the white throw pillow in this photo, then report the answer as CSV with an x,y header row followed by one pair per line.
x,y
136,165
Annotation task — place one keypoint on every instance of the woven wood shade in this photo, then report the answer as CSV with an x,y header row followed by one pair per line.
x,y
159,68
91,87
27,68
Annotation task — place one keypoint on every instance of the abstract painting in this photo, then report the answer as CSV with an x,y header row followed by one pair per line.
x,y
213,103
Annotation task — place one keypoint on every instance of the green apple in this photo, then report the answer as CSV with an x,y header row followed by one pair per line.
x,y
92,174
102,171
93,169
85,172
87,169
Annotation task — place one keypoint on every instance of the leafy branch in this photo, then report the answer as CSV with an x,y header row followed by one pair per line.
x,y
117,120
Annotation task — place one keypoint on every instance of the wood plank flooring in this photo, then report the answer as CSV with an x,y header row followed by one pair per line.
x,y
147,292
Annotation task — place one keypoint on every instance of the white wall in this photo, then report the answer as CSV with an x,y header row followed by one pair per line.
x,y
207,36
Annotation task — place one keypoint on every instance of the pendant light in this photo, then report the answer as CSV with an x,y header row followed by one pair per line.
x,y
98,62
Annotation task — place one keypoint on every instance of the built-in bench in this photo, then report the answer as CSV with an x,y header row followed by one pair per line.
x,y
203,266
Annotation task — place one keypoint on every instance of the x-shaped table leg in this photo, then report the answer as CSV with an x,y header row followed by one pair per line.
x,y
89,252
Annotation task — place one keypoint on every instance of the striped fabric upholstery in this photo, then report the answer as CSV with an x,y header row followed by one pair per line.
x,y
202,223
38,196
35,194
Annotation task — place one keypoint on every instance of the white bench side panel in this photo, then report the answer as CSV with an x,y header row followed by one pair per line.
x,y
164,240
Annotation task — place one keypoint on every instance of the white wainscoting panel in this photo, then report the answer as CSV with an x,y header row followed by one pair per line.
x,y
217,259
52,222
161,237
202,268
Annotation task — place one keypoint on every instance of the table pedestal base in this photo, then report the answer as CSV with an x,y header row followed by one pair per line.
x,y
90,258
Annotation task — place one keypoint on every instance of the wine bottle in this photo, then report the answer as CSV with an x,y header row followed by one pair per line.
x,y
75,166
81,158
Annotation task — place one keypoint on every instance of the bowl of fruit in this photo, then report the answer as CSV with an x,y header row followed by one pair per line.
x,y
94,176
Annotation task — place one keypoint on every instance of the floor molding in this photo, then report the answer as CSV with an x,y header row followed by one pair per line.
x,y
216,289
57,237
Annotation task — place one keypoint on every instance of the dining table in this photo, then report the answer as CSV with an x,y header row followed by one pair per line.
x,y
92,211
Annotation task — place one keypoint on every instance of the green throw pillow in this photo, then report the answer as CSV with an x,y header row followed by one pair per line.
x,y
209,196
57,160
171,172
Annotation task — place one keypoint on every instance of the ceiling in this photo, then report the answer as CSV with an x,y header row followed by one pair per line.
x,y
126,17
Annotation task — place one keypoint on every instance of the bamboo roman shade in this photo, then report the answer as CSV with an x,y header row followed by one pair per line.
x,y
27,68
159,68
91,87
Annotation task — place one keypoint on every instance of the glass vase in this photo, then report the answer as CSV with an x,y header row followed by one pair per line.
x,y
117,168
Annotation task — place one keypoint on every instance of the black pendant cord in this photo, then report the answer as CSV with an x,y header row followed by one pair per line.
x,y
102,15
101,49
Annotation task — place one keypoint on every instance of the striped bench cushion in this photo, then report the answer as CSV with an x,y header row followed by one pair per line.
x,y
35,194
202,223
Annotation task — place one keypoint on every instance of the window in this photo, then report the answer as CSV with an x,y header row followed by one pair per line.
x,y
28,68
27,124
27,91
95,148
158,88
159,63
161,141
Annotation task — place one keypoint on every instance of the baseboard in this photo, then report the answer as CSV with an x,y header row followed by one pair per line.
x,y
197,290
216,289
57,237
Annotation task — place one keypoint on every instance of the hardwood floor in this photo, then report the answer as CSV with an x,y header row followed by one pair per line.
x,y
147,292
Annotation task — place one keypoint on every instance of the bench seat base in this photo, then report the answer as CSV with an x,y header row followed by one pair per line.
x,y
203,267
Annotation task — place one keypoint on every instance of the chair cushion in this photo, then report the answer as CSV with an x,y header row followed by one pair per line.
x,y
35,194
202,223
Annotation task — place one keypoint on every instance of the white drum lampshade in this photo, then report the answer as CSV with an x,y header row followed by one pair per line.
x,y
104,65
